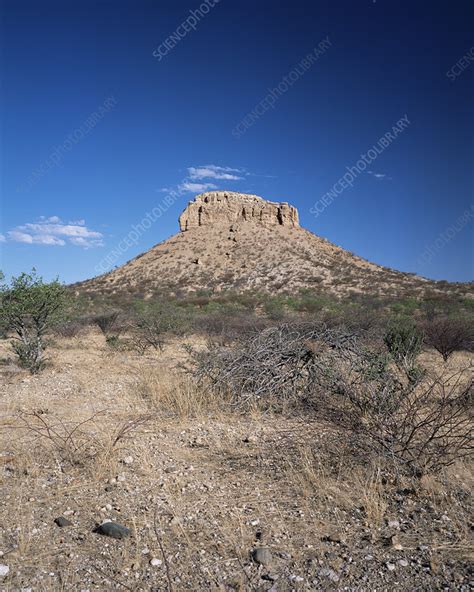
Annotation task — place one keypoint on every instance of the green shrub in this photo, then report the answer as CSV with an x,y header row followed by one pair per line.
x,y
29,308
404,342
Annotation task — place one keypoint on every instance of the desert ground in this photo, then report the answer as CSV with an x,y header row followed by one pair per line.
x,y
214,498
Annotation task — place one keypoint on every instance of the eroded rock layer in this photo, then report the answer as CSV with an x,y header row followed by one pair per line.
x,y
224,207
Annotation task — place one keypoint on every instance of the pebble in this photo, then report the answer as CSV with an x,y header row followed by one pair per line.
x,y
390,566
403,562
262,555
113,530
128,460
297,578
329,573
393,524
61,521
445,518
156,562
4,569
396,544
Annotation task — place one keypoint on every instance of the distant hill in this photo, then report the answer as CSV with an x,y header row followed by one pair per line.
x,y
237,242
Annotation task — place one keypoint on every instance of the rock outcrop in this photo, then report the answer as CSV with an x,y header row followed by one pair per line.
x,y
226,207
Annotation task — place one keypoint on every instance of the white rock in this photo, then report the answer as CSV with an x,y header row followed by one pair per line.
x,y
296,578
4,569
128,460
390,566
403,562
155,562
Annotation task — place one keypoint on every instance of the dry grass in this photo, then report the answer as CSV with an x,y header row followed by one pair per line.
x,y
177,395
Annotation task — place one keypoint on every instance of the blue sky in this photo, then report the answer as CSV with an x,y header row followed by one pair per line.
x,y
103,114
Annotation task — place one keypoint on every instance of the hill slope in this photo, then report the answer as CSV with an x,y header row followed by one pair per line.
x,y
233,241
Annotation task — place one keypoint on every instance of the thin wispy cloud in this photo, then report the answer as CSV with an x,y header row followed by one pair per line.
x,y
212,171
54,232
188,186
201,178
379,176
2,238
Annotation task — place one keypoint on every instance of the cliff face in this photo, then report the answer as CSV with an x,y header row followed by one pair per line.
x,y
224,207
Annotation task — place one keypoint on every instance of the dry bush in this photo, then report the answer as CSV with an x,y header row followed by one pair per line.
x,y
423,427
70,329
147,333
448,335
277,365
422,424
107,323
75,444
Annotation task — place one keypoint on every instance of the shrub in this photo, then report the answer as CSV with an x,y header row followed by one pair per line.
x,y
448,335
147,332
29,307
70,329
420,424
425,428
275,308
404,343
107,322
228,326
277,365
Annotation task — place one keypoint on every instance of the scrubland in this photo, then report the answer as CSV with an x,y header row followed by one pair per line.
x,y
303,487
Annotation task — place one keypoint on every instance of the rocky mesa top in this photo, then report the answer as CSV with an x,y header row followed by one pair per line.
x,y
224,207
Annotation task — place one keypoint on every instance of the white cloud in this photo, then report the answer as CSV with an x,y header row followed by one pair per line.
x,y
212,171
52,231
2,238
60,230
38,239
188,187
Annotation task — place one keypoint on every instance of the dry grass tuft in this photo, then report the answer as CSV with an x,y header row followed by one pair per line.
x,y
175,394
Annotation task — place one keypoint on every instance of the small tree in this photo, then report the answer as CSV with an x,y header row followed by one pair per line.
x,y
28,308
108,324
404,343
449,335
